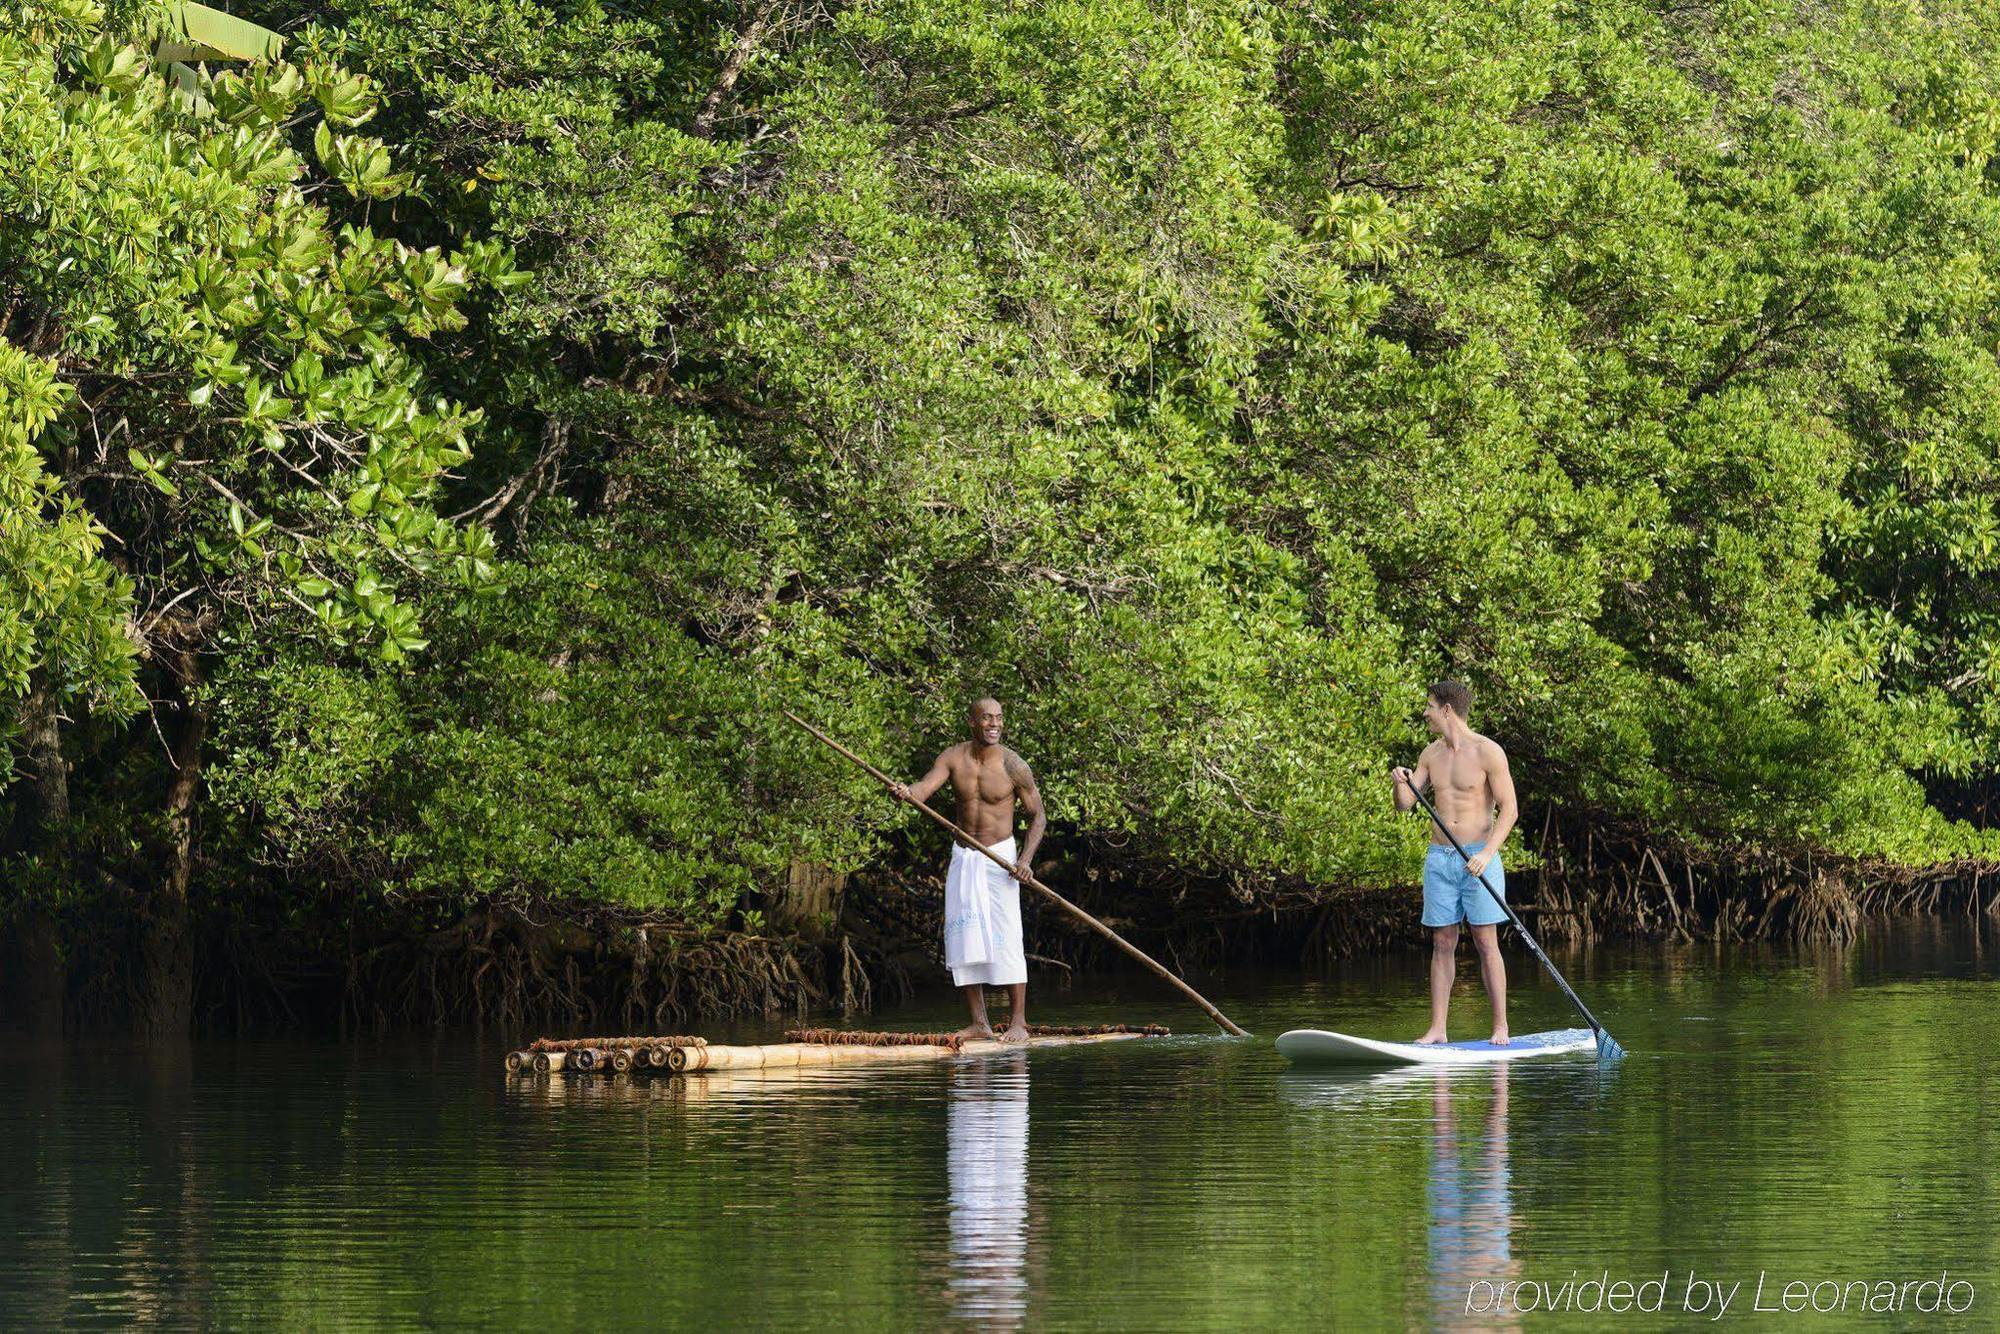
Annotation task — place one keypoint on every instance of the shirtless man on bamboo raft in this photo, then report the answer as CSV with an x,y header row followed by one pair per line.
x,y
1474,796
982,903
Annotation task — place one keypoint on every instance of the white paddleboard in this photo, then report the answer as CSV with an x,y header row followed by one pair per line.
x,y
1312,1046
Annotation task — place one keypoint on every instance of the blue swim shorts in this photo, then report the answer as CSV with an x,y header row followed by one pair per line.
x,y
1452,894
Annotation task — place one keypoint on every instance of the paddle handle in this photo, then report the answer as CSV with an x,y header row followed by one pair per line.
x,y
1227,1025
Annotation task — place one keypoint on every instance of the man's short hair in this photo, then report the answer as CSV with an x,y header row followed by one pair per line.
x,y
973,707
1454,696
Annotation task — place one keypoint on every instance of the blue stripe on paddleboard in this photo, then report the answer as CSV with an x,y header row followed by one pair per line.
x,y
1526,1040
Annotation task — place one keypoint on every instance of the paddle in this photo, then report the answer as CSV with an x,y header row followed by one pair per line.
x,y
1607,1047
1228,1026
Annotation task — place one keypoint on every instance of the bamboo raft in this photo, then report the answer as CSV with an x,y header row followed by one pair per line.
x,y
801,1047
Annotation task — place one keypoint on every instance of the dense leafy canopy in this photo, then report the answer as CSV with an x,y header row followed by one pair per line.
x,y
246,418
1201,379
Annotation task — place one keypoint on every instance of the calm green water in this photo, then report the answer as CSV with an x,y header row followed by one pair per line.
x,y
1811,1117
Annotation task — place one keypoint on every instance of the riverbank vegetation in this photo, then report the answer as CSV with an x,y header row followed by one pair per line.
x,y
429,459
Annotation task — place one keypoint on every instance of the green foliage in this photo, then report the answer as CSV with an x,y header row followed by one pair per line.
x,y
241,350
1202,380
62,605
212,432
577,755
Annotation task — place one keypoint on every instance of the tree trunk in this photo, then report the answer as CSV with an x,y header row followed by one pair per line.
x,y
810,903
43,831
168,948
41,736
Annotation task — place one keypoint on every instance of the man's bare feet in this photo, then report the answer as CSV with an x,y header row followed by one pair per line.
x,y
1431,1039
1016,1032
975,1033
1500,1038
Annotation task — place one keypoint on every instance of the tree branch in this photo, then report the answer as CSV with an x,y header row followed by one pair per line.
x,y
739,56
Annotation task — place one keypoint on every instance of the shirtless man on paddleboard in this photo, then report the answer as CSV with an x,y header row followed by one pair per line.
x,y
1474,796
982,903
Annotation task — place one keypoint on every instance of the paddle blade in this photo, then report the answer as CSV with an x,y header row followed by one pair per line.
x,y
1608,1048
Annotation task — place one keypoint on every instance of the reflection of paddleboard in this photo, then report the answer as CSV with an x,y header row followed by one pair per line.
x,y
1314,1047
1321,1088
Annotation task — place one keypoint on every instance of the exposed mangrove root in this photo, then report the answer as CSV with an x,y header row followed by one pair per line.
x,y
1601,885
856,991
1362,922
1576,891
518,966
267,961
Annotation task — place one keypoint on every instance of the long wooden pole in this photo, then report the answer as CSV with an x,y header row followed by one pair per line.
x,y
1227,1024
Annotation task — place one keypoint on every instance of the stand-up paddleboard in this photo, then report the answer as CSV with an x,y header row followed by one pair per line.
x,y
1312,1046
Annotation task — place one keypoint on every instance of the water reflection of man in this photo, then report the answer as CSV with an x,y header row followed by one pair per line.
x,y
1471,1201
986,1161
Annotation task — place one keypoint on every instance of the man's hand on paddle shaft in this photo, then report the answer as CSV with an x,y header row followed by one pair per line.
x,y
1404,784
921,790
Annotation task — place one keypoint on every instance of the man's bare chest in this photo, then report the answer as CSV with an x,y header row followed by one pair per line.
x,y
1461,776
987,783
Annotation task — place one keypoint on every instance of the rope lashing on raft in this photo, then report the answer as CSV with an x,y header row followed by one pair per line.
x,y
567,1044
838,1037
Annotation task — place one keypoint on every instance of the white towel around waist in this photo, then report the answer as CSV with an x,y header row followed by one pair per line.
x,y
982,907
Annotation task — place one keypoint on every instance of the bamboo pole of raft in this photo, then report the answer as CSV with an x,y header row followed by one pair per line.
x,y
1227,1024
791,1055
807,1047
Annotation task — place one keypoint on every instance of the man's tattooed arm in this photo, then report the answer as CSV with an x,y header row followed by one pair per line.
x,y
1030,798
